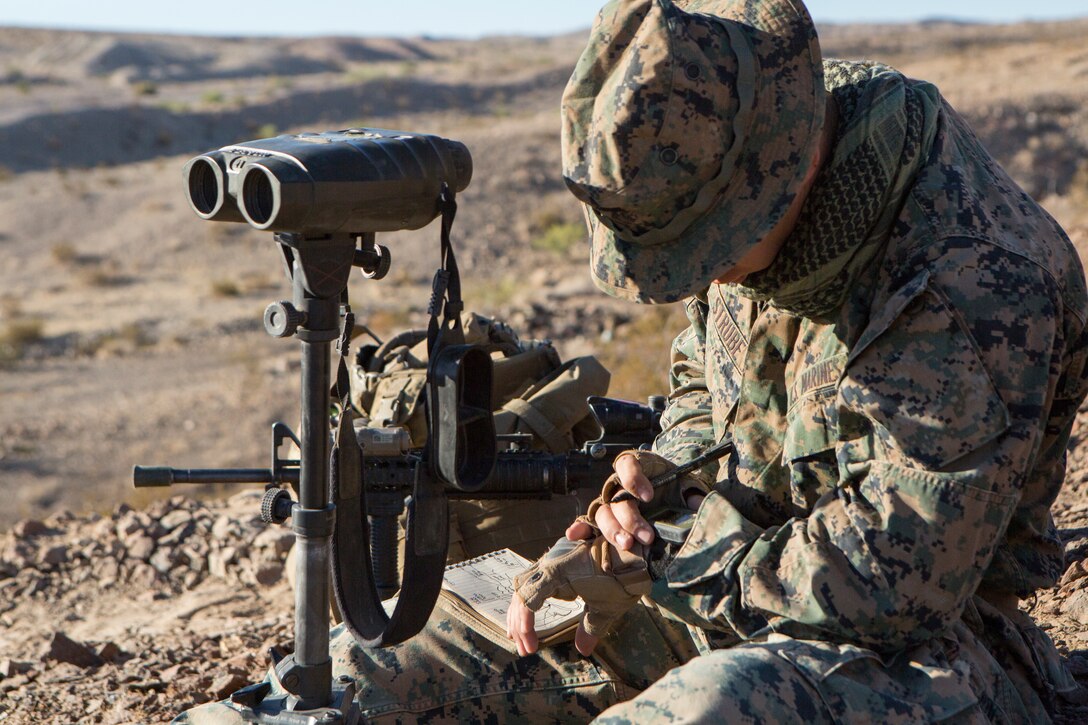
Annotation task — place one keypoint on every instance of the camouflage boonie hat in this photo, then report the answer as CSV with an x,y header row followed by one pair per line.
x,y
687,130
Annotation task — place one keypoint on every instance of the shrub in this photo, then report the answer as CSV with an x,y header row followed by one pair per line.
x,y
225,288
145,88
559,237
16,335
64,253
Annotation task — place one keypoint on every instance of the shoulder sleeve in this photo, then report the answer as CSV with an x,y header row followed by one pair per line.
x,y
687,428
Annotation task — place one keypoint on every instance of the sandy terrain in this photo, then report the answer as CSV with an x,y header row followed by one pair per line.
x,y
130,330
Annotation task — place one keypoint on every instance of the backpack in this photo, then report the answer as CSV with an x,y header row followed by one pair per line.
x,y
534,393
537,399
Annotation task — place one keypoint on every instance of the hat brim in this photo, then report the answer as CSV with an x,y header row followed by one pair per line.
x,y
781,140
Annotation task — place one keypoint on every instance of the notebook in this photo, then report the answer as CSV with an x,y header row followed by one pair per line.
x,y
484,585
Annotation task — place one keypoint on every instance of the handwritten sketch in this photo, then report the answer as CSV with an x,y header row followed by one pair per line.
x,y
487,582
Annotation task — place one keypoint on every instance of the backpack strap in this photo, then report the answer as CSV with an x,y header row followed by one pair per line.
x,y
538,423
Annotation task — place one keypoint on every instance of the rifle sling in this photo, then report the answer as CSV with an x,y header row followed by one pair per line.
x,y
352,567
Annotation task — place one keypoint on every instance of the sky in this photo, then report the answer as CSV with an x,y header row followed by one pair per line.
x,y
449,18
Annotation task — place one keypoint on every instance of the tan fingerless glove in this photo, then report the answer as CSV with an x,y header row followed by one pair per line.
x,y
608,580
672,496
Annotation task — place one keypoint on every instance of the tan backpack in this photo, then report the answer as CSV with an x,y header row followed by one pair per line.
x,y
534,394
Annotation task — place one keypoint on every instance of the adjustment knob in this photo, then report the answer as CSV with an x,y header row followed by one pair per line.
x,y
375,262
276,506
281,319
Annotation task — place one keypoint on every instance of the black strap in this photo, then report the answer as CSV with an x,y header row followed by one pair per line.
x,y
427,536
446,300
352,567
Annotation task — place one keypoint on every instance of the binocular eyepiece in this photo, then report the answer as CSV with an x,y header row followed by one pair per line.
x,y
359,180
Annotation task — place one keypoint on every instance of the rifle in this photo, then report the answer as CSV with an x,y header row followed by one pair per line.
x,y
390,469
326,196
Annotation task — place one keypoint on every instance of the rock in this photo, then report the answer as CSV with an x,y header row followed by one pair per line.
x,y
11,684
1076,606
170,674
179,534
223,686
53,555
29,527
223,528
1075,571
268,573
18,554
64,649
175,519
141,547
143,575
106,570
10,668
34,584
128,524
163,559
109,652
194,559
231,645
240,663
277,539
219,560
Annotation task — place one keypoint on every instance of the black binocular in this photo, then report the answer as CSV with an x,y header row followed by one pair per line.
x,y
359,180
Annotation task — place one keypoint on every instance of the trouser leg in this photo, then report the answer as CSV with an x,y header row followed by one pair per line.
x,y
745,684
452,672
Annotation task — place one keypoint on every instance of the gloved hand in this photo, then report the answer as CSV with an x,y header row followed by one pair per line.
x,y
674,495
608,580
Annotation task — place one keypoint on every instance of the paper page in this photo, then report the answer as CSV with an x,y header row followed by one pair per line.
x,y
487,582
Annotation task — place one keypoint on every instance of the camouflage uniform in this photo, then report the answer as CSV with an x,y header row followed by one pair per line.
x,y
899,437
889,499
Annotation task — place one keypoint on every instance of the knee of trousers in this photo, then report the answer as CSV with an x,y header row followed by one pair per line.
x,y
747,684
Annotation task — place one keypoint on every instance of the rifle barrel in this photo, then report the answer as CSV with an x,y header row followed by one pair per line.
x,y
160,476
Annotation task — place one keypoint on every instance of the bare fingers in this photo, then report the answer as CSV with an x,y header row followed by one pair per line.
x,y
579,530
521,626
632,479
620,523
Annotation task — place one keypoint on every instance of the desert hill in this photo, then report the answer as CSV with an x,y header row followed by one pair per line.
x,y
130,330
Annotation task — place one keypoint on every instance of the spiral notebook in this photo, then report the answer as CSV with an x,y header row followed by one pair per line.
x,y
484,585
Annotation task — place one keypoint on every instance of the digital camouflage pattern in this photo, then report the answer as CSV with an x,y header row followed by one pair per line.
x,y
454,671
896,461
693,130
862,553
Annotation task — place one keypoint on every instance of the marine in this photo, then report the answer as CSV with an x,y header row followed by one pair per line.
x,y
891,332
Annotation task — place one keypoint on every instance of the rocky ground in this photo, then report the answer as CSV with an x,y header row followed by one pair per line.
x,y
130,330
134,616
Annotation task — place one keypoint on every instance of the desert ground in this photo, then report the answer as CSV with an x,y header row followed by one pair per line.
x,y
130,330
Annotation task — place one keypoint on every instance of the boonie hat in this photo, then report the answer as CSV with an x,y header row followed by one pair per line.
x,y
687,129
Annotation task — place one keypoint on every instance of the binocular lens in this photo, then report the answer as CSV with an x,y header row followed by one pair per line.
x,y
258,197
205,190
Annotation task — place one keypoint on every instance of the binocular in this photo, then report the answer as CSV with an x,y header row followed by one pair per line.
x,y
359,180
